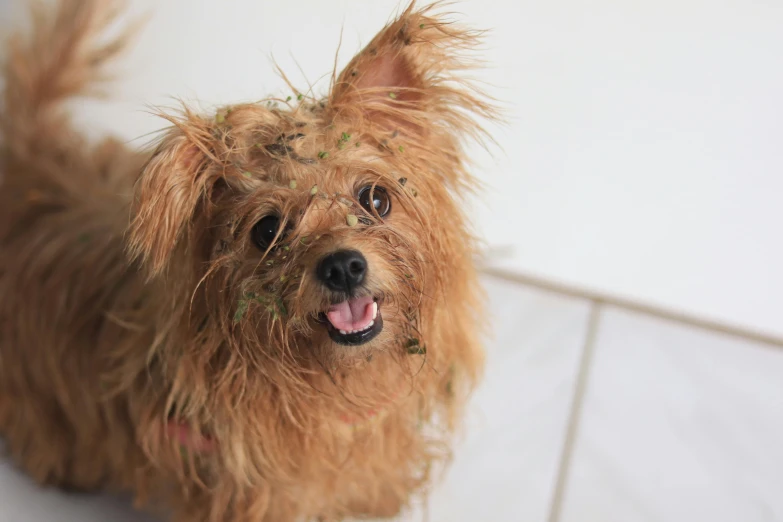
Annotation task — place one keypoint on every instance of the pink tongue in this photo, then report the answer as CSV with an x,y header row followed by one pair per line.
x,y
355,314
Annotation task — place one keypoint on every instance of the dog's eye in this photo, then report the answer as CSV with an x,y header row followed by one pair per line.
x,y
265,230
375,200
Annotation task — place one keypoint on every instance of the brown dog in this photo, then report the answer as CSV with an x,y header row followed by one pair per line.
x,y
272,316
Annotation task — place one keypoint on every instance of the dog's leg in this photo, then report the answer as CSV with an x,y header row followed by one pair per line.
x,y
386,504
222,505
47,447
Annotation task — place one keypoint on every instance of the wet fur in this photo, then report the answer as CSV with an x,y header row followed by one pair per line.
x,y
132,294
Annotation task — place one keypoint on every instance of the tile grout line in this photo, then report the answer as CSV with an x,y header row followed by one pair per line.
x,y
575,414
747,334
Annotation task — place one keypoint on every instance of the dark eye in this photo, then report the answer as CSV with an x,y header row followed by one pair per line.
x,y
265,230
375,200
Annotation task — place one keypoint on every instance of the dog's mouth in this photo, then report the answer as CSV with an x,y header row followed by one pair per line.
x,y
353,322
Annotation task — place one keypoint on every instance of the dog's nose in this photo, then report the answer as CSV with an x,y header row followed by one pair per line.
x,y
343,270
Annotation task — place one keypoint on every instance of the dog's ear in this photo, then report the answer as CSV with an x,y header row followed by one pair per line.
x,y
172,185
409,77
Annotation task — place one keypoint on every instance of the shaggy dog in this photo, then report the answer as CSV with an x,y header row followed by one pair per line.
x,y
271,315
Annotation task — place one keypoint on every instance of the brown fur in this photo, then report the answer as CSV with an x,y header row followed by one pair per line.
x,y
132,294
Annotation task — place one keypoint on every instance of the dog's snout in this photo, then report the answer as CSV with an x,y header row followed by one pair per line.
x,y
342,271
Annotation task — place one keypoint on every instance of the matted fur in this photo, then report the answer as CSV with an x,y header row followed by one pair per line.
x,y
132,294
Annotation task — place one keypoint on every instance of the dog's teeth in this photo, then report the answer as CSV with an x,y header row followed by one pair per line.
x,y
374,311
358,330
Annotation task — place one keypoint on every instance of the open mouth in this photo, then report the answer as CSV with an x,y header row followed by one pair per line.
x,y
353,322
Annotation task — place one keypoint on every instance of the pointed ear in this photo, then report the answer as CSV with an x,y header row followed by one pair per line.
x,y
408,77
167,195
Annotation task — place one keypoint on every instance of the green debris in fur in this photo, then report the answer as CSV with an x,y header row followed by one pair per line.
x,y
344,138
314,190
401,148
247,174
299,96
292,184
220,118
283,278
303,240
421,26
414,348
409,276
393,95
279,307
273,304
270,262
288,99
450,382
414,192
351,220
242,305
358,143
323,154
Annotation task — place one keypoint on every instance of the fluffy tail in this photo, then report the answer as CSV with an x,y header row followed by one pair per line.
x,y
59,58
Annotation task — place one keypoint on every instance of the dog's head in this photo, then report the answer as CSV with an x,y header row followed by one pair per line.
x,y
327,230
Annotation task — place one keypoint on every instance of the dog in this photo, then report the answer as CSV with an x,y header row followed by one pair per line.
x,y
272,313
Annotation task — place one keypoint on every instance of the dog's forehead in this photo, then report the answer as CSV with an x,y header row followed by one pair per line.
x,y
305,146
282,153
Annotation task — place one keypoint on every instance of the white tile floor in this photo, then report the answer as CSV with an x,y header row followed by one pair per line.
x,y
676,424
22,501
507,466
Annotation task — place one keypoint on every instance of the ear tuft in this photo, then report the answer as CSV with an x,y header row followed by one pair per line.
x,y
167,195
410,77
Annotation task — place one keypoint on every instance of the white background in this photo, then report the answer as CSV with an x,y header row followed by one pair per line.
x,y
644,157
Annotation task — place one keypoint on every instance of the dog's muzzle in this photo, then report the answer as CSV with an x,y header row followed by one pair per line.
x,y
356,319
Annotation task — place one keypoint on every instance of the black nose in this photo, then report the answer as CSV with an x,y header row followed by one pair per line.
x,y
343,270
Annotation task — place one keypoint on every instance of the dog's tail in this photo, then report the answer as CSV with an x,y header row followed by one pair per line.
x,y
61,57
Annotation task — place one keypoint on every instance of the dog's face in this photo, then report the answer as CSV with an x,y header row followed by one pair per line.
x,y
324,235
320,228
